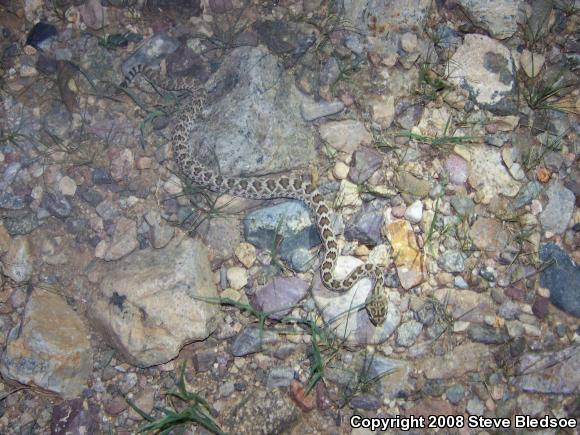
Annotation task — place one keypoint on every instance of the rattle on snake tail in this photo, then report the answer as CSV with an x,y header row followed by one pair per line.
x,y
263,188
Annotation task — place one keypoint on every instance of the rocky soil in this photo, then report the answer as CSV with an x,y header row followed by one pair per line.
x,y
444,134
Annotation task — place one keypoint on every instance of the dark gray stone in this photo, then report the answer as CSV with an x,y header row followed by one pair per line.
x,y
21,225
11,202
487,334
250,340
280,377
287,226
91,196
102,176
366,402
56,204
455,393
40,34
562,277
527,194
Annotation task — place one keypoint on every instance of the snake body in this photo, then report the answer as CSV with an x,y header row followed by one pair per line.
x,y
263,188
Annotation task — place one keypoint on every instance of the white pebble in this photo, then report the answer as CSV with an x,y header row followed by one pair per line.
x,y
237,277
67,186
340,170
414,212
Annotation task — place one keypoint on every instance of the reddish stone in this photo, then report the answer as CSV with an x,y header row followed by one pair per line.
x,y
541,307
11,157
306,402
515,293
116,405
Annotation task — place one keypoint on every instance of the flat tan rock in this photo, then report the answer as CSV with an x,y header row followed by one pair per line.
x,y
408,257
50,349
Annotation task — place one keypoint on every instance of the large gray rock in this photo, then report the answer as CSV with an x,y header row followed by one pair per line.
x,y
488,175
148,305
486,69
50,348
500,20
254,125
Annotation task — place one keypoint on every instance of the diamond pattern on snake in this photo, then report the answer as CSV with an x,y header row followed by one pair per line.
x,y
293,187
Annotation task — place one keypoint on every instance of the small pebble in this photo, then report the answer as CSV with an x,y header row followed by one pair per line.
x,y
246,254
340,170
237,277
67,186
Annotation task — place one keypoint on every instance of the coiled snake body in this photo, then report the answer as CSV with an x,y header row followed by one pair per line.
x,y
263,188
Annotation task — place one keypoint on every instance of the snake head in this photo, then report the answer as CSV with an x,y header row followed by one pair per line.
x,y
376,306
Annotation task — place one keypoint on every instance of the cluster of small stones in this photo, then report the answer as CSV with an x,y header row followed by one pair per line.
x,y
468,232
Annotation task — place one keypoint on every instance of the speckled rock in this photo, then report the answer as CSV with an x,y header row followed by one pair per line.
x,y
408,332
452,261
485,67
50,349
558,211
147,305
123,242
488,174
17,261
248,130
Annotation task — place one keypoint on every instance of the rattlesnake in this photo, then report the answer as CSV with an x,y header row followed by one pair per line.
x,y
263,188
